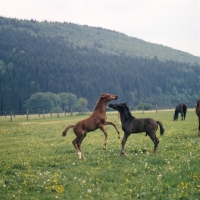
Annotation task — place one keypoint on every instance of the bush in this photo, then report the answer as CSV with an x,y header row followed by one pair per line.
x,y
145,106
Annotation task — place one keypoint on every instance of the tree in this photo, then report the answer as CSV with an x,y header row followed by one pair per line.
x,y
82,104
72,102
158,91
174,91
133,98
40,101
64,100
144,106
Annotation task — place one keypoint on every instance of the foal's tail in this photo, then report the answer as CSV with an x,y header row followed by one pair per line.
x,y
162,130
66,129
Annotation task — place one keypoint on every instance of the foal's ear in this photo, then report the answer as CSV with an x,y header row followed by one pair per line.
x,y
103,95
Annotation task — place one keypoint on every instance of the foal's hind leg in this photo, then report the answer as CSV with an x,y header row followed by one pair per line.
x,y
79,144
76,142
155,141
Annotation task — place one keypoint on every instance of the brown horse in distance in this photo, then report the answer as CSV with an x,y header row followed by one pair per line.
x,y
96,120
198,114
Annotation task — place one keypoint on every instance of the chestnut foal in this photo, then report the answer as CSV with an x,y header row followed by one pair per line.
x,y
96,120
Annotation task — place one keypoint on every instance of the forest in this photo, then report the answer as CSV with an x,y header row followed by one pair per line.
x,y
33,61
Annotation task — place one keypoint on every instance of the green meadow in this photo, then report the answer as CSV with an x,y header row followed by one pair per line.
x,y
36,162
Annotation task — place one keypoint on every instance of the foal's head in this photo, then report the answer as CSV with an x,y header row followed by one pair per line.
x,y
122,108
108,97
119,106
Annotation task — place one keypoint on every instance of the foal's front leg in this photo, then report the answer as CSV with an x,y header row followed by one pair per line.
x,y
111,123
123,143
106,135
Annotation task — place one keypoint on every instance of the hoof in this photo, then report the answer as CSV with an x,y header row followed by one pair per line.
x,y
80,156
119,135
63,134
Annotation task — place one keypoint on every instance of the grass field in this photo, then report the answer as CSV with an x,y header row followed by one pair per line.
x,y
38,163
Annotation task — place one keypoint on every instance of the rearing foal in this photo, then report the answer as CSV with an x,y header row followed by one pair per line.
x,y
96,120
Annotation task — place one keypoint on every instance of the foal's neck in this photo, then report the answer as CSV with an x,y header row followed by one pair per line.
x,y
100,107
125,115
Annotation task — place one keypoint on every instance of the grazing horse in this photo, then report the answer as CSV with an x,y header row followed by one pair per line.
x,y
132,125
96,120
181,108
198,114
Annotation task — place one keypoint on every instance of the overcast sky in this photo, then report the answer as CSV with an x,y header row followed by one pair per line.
x,y
172,23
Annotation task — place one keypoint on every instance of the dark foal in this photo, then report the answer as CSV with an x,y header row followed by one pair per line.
x,y
132,125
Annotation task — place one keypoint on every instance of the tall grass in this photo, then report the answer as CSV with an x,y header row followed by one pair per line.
x,y
38,163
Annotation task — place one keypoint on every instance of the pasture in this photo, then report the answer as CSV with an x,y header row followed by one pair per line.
x,y
38,163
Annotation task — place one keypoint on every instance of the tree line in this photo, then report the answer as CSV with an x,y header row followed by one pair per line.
x,y
50,102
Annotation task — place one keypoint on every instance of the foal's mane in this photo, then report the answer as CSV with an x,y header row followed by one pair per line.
x,y
97,103
128,110
95,107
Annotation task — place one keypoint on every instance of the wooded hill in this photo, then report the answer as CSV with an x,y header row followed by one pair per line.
x,y
86,61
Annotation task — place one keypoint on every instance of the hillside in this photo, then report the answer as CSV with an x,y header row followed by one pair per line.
x,y
105,41
52,57
111,42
